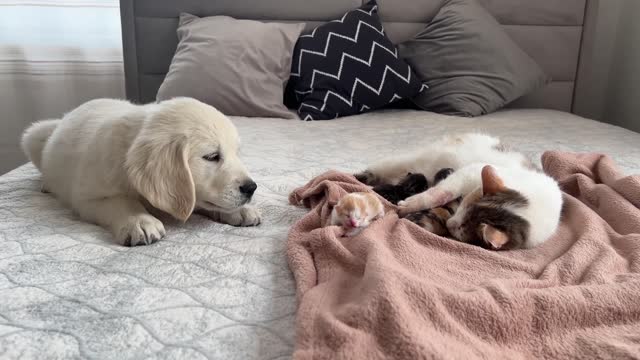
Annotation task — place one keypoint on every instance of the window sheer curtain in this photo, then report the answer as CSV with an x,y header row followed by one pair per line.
x,y
54,55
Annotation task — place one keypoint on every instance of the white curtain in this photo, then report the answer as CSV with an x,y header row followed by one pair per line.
x,y
54,55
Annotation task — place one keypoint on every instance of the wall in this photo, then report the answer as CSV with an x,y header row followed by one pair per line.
x,y
622,105
28,97
609,87
36,86
54,55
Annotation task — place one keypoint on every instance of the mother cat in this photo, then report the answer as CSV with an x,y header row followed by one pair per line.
x,y
506,202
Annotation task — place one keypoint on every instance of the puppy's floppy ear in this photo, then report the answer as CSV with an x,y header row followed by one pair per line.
x,y
159,171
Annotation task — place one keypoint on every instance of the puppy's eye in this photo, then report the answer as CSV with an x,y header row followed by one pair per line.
x,y
215,157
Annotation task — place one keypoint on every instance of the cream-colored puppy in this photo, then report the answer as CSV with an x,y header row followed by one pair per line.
x,y
108,159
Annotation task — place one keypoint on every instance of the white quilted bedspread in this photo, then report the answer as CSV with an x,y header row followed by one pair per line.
x,y
210,290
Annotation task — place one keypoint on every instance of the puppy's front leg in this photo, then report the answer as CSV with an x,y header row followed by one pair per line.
x,y
245,216
127,219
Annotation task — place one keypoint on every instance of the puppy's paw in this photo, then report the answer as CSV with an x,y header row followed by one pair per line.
x,y
246,216
141,229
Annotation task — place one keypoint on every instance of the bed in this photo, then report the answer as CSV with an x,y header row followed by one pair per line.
x,y
214,291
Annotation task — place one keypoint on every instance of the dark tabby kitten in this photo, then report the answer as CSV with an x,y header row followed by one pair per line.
x,y
433,220
412,184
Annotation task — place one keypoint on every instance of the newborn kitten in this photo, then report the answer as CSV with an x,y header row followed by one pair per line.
x,y
412,184
507,203
435,220
355,211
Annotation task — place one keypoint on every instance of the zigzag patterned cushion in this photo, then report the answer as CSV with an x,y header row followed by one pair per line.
x,y
349,66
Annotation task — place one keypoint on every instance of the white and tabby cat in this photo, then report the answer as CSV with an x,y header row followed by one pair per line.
x,y
507,203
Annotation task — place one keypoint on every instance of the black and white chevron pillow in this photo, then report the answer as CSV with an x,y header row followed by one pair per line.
x,y
348,66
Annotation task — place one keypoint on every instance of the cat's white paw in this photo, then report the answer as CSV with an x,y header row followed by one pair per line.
x,y
424,201
142,229
411,205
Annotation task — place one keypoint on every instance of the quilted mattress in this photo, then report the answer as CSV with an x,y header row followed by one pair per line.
x,y
210,290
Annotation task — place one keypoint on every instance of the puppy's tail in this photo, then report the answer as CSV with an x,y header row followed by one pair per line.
x,y
35,138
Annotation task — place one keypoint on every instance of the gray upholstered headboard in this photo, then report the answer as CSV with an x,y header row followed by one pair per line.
x,y
553,32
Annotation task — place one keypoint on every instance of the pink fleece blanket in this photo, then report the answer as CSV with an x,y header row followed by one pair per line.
x,y
398,291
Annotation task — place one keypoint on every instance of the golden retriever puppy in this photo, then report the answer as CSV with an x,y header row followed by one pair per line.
x,y
108,159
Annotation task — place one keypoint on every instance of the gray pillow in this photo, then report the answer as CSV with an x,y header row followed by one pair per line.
x,y
472,67
238,66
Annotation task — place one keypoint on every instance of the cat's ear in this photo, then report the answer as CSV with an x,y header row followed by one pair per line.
x,y
494,237
491,182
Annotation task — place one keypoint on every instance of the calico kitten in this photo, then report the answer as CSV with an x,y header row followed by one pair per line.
x,y
507,203
355,211
435,220
411,184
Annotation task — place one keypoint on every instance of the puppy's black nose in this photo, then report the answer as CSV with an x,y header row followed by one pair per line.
x,y
248,188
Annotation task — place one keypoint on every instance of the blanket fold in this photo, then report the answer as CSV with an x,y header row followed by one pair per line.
x,y
398,291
